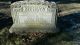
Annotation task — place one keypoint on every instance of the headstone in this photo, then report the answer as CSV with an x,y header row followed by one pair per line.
x,y
33,16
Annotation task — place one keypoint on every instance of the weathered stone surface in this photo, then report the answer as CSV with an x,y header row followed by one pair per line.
x,y
33,16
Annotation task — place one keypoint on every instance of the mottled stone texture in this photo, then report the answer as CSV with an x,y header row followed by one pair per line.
x,y
69,34
33,16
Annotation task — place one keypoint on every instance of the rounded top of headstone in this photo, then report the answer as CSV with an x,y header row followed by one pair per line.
x,y
35,0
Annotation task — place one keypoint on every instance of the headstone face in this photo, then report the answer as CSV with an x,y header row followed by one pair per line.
x,y
33,16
